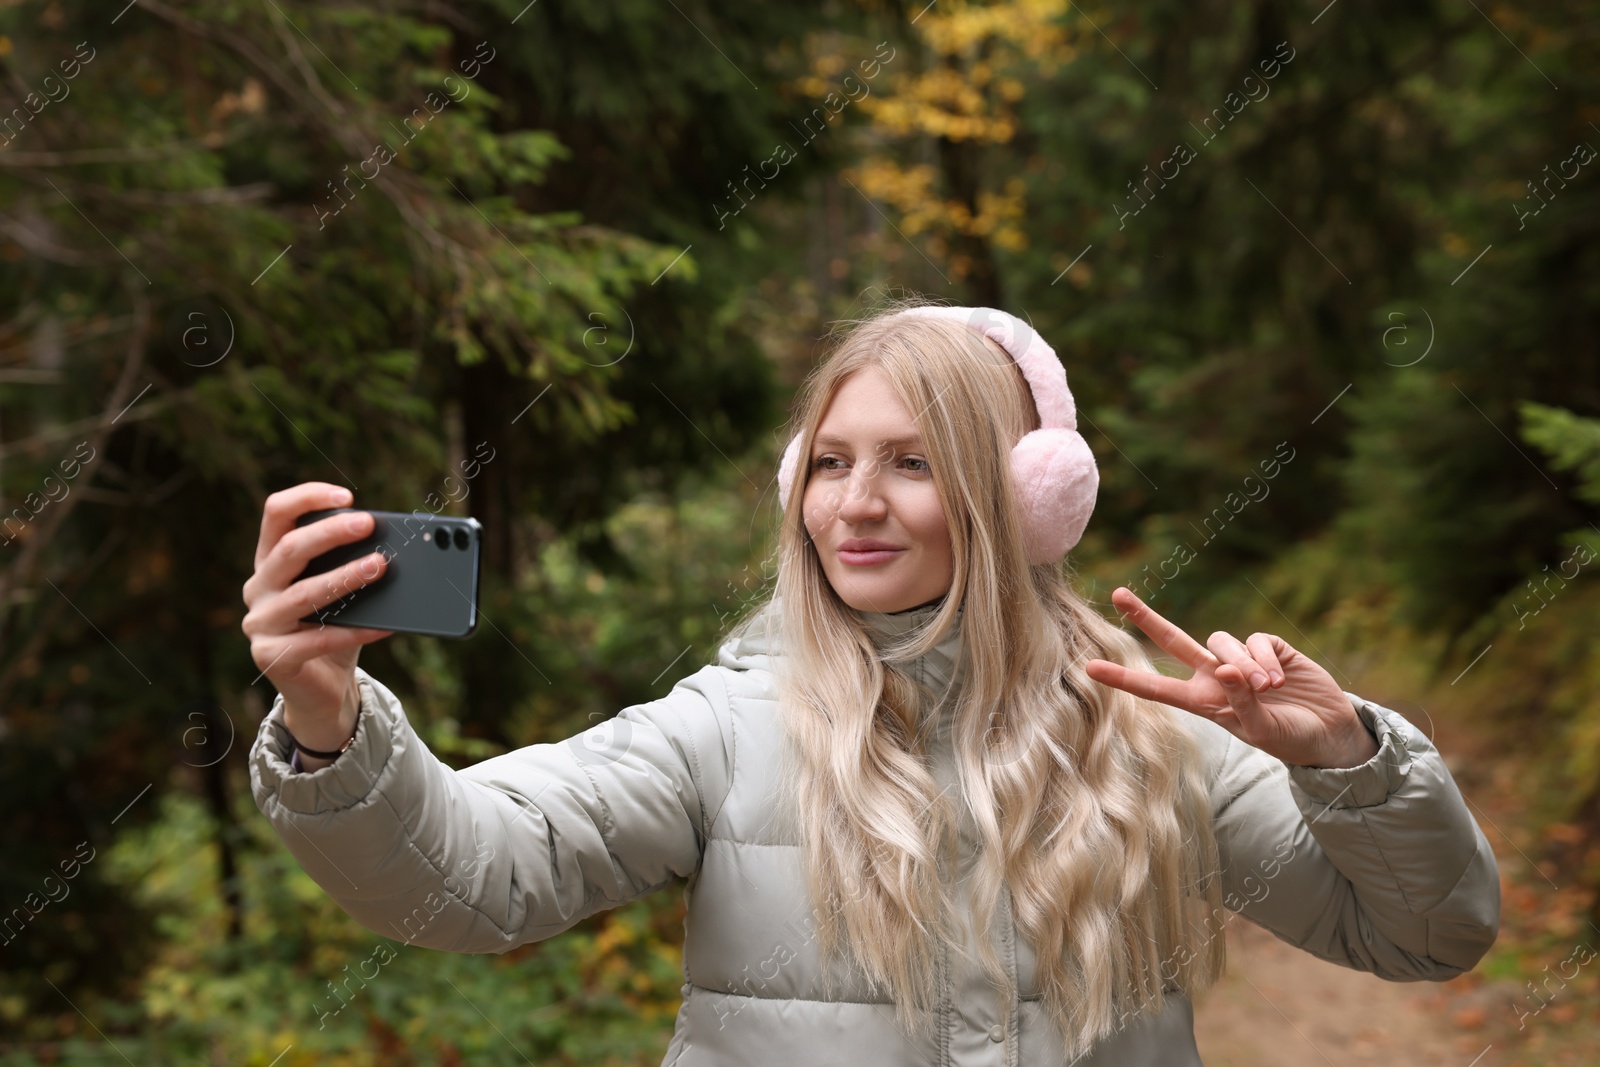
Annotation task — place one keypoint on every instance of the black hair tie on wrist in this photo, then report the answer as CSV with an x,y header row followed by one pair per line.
x,y
328,755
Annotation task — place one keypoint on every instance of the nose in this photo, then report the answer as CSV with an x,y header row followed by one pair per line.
x,y
855,501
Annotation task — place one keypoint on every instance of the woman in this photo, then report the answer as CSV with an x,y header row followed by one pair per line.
x,y
931,806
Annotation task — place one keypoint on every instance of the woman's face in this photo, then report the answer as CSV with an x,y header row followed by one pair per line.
x,y
871,487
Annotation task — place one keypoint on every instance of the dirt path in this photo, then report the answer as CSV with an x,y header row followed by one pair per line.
x,y
1278,1005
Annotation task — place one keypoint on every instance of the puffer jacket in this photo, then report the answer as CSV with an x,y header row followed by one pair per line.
x,y
1379,867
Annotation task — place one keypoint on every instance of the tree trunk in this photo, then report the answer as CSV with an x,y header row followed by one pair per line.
x,y
959,162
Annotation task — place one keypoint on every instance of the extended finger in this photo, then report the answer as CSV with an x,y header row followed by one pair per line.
x,y
1164,633
1157,687
320,590
288,559
1263,648
1232,652
286,505
283,614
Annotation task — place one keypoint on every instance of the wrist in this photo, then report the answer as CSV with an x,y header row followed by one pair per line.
x,y
321,739
1360,747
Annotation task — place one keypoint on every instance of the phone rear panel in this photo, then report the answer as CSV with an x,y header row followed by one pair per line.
x,y
430,586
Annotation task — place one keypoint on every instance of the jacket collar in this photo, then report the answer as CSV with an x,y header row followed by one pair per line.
x,y
939,663
895,623
751,645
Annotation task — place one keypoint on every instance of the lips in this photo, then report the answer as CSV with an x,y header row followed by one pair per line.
x,y
867,544
867,551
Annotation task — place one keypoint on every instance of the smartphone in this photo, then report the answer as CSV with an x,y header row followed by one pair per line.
x,y
430,585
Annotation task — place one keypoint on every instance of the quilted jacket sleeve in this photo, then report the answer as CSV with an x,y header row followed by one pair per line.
x,y
510,850
1379,867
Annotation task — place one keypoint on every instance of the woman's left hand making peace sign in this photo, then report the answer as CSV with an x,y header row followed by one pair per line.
x,y
1261,690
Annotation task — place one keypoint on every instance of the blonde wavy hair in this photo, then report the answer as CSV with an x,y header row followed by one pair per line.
x,y
1091,804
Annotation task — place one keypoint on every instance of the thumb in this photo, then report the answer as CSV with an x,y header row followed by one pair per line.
x,y
1240,696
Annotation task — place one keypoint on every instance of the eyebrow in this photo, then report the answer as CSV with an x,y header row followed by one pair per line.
x,y
834,439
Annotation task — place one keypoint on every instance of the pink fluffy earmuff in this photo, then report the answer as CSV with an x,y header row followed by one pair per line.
x,y
1052,469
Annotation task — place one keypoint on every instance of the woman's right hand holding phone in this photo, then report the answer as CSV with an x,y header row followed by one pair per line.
x,y
312,664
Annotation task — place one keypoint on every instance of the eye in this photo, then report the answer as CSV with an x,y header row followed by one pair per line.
x,y
914,459
817,464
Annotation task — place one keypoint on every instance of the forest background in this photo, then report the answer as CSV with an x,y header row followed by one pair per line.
x,y
244,245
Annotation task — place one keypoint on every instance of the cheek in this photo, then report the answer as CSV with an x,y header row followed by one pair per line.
x,y
814,510
821,505
923,516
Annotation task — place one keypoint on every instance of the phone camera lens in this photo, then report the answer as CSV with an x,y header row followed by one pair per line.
x,y
461,538
441,537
